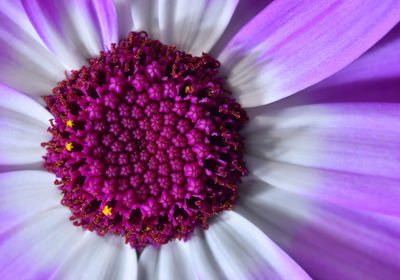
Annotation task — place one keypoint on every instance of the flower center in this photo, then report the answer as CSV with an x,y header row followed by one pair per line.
x,y
145,142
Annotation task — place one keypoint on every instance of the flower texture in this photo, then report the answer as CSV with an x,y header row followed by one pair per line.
x,y
209,139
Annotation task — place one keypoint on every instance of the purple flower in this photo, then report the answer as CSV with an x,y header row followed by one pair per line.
x,y
320,82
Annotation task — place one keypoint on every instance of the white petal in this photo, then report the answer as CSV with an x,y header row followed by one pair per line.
x,y
74,30
168,262
99,258
232,248
243,252
145,17
34,249
24,194
23,127
148,263
25,63
193,26
201,257
127,266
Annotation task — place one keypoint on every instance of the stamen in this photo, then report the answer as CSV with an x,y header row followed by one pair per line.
x,y
107,211
70,123
69,146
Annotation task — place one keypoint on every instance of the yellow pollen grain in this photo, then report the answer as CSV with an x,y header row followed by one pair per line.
x,y
107,210
189,89
70,123
69,146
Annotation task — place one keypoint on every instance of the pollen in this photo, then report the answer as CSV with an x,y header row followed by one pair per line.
x,y
70,123
107,210
69,146
189,89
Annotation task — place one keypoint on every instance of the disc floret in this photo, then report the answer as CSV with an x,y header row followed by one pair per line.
x,y
145,142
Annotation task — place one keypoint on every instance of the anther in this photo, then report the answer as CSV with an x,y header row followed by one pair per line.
x,y
70,123
107,211
69,146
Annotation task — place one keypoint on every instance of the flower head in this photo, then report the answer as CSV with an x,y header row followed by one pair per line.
x,y
143,101
154,138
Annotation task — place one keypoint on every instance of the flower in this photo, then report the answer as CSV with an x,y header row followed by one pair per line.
x,y
318,80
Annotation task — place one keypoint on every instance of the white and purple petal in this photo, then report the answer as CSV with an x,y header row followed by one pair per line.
x,y
244,12
74,30
327,240
345,153
292,45
25,63
374,77
48,246
38,241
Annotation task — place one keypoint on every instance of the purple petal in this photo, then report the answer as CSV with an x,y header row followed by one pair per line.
x,y
343,153
25,63
74,30
328,241
291,45
245,11
374,77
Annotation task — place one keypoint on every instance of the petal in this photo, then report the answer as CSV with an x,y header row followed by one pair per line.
x,y
211,262
168,262
100,258
192,26
291,45
180,260
374,77
244,12
243,252
74,30
327,240
148,263
236,250
22,128
25,63
125,20
37,240
34,249
24,194
202,258
346,153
